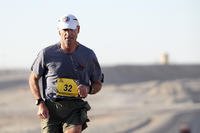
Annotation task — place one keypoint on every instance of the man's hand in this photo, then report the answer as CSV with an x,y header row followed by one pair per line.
x,y
83,90
96,87
43,111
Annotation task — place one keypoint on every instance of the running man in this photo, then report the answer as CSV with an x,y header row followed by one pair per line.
x,y
69,72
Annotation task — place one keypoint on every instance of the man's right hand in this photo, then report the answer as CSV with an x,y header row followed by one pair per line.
x,y
43,111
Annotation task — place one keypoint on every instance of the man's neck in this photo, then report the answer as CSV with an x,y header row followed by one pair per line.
x,y
69,48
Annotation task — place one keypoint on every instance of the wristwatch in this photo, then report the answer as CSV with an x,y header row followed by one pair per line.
x,y
38,101
90,90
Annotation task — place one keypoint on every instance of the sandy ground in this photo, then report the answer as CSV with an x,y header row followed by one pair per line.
x,y
145,107
148,107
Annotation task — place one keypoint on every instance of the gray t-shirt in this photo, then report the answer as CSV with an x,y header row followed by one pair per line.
x,y
53,63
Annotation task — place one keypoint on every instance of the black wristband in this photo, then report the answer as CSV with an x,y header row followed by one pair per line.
x,y
38,101
90,89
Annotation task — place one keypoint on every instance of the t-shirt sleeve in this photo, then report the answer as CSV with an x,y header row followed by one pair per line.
x,y
38,66
95,69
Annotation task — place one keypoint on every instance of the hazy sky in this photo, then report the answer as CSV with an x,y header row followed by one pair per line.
x,y
119,31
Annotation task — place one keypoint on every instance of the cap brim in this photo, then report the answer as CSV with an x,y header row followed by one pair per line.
x,y
62,26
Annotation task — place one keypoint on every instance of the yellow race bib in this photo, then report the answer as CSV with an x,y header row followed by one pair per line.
x,y
67,87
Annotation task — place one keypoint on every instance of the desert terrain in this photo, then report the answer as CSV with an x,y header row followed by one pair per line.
x,y
134,99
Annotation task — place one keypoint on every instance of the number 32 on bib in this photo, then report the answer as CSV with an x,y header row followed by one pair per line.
x,y
67,87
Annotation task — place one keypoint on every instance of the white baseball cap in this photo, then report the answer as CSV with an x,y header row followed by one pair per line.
x,y
68,22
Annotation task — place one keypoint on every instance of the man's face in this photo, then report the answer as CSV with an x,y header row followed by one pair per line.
x,y
68,36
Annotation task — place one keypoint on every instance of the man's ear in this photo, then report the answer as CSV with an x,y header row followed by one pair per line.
x,y
78,28
59,32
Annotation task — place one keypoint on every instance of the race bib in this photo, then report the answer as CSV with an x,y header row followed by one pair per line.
x,y
67,87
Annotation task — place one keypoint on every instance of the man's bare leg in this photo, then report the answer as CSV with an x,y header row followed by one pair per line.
x,y
74,129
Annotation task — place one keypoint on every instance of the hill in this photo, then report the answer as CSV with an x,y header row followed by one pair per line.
x,y
121,74
140,73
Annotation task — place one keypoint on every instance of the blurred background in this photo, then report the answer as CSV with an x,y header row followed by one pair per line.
x,y
148,50
136,32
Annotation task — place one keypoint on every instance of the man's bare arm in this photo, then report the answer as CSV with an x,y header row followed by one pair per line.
x,y
34,85
43,111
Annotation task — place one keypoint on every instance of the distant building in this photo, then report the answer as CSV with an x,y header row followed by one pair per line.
x,y
164,59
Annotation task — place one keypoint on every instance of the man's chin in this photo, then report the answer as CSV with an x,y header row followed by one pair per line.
x,y
68,42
